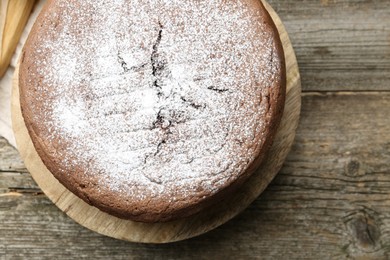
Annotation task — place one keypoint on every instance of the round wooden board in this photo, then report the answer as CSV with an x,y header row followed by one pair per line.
x,y
181,229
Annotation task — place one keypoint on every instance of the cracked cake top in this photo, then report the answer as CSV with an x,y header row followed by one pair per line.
x,y
152,110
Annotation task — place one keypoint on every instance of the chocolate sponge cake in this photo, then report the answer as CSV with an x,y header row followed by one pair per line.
x,y
152,110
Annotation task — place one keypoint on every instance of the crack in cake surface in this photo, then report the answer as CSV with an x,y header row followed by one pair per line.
x,y
157,64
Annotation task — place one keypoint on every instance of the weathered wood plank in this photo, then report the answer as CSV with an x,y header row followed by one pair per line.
x,y
9,158
340,45
331,199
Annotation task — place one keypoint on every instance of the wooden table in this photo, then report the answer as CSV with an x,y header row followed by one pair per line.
x,y
330,200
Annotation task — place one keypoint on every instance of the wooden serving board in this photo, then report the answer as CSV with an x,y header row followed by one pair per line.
x,y
105,224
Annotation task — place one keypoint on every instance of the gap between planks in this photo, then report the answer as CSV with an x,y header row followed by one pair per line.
x,y
343,92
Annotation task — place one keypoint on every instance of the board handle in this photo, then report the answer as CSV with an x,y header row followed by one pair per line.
x,y
14,15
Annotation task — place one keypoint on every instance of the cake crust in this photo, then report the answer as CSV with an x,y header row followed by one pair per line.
x,y
152,112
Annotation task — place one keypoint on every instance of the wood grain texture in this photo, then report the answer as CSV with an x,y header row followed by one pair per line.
x,y
331,199
340,45
184,228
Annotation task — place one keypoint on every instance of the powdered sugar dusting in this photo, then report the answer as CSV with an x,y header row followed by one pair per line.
x,y
155,100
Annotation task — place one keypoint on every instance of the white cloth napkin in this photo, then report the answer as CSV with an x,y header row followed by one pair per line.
x,y
6,81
